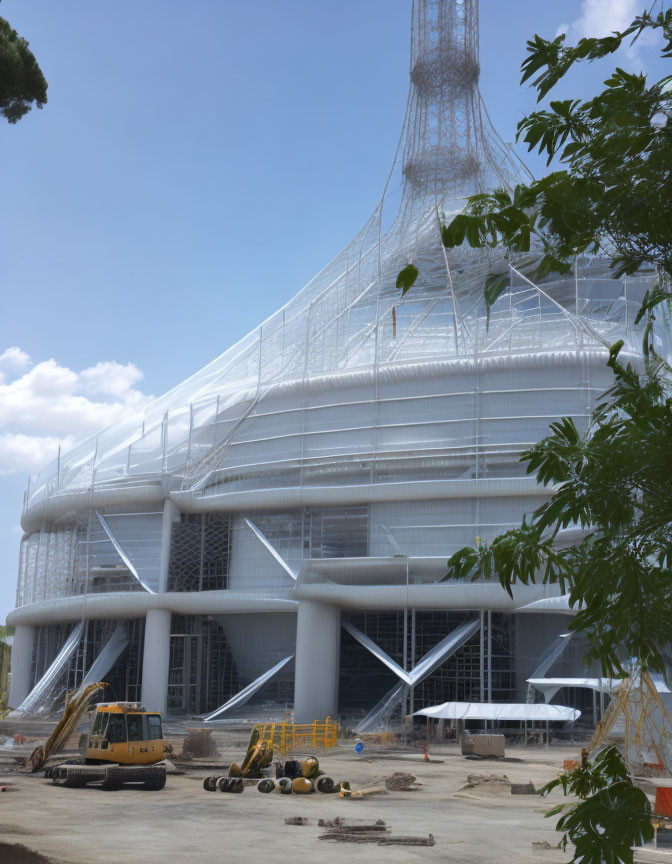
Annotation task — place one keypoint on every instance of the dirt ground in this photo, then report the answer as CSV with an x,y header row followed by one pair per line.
x,y
480,823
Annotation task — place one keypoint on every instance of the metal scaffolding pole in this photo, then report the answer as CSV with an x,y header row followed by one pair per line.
x,y
481,660
489,656
412,690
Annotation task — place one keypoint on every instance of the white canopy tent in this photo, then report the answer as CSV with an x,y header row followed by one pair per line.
x,y
499,711
550,686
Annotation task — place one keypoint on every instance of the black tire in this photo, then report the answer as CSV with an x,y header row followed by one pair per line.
x,y
209,784
236,785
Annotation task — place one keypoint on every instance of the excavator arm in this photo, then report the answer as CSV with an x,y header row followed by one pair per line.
x,y
75,707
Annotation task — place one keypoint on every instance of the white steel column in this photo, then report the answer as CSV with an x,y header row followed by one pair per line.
x,y
170,515
156,656
156,659
21,665
318,643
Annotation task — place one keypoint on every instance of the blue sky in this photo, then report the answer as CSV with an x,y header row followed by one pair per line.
x,y
195,165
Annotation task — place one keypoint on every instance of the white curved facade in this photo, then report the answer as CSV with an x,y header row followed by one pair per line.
x,y
323,469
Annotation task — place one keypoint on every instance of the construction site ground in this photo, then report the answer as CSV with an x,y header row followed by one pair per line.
x,y
480,823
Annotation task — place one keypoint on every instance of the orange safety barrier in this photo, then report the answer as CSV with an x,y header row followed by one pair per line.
x,y
288,737
663,806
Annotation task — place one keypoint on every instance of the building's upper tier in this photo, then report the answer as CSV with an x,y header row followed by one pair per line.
x,y
350,320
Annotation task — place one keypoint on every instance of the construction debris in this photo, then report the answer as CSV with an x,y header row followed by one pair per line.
x,y
340,821
481,779
374,836
407,841
487,784
198,743
346,792
359,829
523,789
400,781
353,826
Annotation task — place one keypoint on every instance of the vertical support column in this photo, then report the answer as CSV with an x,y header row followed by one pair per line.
x,y
489,655
156,660
411,698
170,515
318,643
21,665
481,668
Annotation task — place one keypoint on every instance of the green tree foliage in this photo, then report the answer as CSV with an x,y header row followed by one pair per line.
x,y
616,483
612,814
612,196
21,80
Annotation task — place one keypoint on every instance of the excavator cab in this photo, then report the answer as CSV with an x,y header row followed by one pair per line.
x,y
124,733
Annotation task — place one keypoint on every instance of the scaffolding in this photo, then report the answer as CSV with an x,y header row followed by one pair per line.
x,y
354,426
482,670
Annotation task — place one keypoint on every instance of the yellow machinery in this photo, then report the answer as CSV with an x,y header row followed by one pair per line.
x,y
270,738
124,732
287,737
125,745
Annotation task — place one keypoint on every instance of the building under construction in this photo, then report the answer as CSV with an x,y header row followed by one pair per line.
x,y
277,526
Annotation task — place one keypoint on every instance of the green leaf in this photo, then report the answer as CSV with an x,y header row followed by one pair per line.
x,y
453,234
652,298
406,278
461,564
495,284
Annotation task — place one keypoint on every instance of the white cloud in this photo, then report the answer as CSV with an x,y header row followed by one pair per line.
x,y
601,17
110,378
46,405
13,360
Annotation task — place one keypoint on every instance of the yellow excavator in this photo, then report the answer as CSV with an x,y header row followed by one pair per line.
x,y
125,746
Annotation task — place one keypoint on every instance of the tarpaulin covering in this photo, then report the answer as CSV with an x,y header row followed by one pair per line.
x,y
499,711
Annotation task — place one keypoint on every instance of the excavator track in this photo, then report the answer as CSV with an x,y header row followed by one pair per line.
x,y
111,777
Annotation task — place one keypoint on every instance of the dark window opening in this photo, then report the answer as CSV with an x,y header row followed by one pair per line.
x,y
152,727
134,722
116,729
98,727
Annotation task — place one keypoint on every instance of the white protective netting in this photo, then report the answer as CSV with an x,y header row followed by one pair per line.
x,y
349,384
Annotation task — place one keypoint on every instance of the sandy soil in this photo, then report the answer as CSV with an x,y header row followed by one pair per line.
x,y
479,823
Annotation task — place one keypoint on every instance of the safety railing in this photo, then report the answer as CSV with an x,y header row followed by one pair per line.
x,y
289,737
